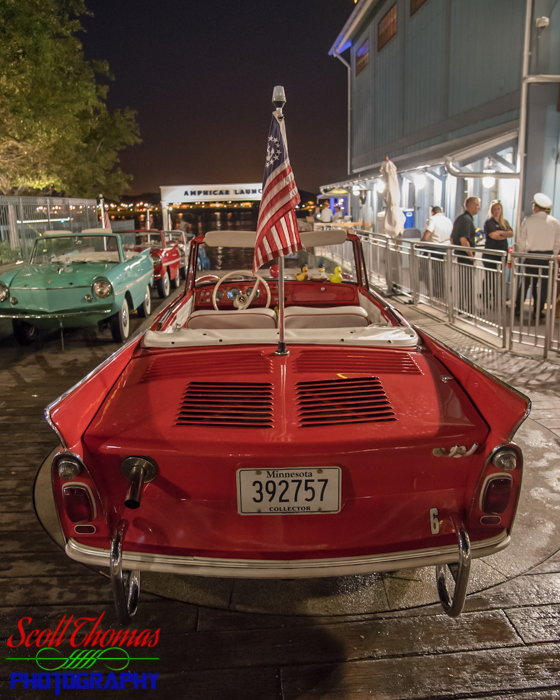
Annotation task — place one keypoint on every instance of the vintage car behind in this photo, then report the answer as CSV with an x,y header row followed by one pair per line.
x,y
199,448
183,241
165,255
77,279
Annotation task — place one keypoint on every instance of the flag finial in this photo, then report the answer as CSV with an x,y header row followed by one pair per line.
x,y
278,97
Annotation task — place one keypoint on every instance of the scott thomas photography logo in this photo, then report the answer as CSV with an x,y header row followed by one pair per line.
x,y
66,654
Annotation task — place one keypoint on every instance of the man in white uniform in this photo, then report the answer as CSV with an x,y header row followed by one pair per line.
x,y
539,234
438,230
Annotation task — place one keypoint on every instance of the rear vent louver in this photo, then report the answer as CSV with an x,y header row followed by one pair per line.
x,y
339,401
227,404
356,362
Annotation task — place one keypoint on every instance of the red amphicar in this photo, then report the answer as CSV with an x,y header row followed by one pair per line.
x,y
198,449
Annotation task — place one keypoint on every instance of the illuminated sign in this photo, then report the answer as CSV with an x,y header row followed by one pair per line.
x,y
241,192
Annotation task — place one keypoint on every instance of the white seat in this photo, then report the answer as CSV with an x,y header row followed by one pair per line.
x,y
248,318
333,317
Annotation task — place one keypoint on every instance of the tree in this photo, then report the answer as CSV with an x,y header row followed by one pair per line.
x,y
56,133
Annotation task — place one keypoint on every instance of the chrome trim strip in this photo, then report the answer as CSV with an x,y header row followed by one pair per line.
x,y
24,317
56,430
289,568
128,286
48,289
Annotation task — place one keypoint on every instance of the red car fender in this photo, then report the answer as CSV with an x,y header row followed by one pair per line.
x,y
70,414
503,408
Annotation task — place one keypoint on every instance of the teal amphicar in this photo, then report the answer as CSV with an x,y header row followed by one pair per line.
x,y
77,279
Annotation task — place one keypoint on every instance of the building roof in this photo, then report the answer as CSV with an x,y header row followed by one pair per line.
x,y
344,38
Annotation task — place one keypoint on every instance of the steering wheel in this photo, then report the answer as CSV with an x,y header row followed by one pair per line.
x,y
243,305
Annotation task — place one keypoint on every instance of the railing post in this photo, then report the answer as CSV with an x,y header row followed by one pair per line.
x,y
549,308
388,271
514,293
553,297
449,284
414,278
503,309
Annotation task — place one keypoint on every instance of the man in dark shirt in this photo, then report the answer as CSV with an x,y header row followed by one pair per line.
x,y
463,235
464,229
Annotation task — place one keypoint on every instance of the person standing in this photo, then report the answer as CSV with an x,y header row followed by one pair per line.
x,y
540,235
463,235
337,216
438,230
326,213
497,230
464,229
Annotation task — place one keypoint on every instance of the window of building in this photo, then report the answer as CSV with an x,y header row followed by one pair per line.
x,y
415,5
362,57
387,27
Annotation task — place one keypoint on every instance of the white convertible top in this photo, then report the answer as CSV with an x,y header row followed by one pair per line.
x,y
372,336
246,239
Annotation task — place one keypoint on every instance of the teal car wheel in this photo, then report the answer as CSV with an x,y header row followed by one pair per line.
x,y
120,323
24,332
145,308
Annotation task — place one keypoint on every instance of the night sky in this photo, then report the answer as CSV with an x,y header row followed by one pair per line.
x,y
200,76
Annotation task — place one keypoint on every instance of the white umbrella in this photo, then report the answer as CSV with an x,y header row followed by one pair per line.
x,y
394,216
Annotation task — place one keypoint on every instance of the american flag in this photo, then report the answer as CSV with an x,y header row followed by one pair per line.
x,y
277,231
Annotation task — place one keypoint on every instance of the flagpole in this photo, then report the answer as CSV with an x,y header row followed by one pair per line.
x,y
279,100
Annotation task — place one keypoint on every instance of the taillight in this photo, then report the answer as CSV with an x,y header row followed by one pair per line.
x,y
496,494
78,503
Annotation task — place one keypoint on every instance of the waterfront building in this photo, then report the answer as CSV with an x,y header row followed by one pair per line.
x,y
436,85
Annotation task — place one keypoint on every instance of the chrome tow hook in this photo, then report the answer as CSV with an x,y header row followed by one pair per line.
x,y
139,471
126,586
460,572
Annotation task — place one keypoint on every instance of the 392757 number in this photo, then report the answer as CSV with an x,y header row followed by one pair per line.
x,y
271,489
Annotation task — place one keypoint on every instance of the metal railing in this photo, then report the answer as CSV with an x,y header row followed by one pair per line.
x,y
513,297
22,219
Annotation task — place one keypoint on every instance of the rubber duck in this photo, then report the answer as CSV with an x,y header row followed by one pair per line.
x,y
336,277
302,276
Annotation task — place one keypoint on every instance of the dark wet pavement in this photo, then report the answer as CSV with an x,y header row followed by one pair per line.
x,y
383,638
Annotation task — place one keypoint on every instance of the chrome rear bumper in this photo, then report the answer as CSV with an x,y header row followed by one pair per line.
x,y
289,568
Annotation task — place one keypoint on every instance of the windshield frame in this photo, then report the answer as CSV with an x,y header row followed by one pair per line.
x,y
33,260
331,255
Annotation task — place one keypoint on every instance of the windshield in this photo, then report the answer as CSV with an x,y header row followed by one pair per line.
x,y
149,239
321,263
75,249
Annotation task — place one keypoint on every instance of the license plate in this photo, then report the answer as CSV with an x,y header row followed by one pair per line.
x,y
288,491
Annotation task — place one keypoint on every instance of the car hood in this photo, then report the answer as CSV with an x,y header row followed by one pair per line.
x,y
51,276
